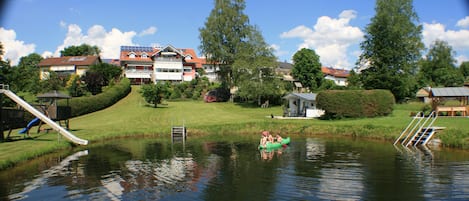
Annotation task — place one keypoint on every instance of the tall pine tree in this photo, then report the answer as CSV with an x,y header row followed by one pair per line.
x,y
391,49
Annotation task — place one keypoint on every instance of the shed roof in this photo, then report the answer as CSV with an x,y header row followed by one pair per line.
x,y
305,96
450,92
53,94
423,92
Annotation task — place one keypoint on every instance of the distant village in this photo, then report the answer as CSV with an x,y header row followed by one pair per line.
x,y
143,65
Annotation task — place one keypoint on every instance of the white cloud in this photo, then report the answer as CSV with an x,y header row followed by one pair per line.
x,y
330,38
47,54
14,49
277,51
464,23
63,24
348,14
436,31
108,42
460,59
150,31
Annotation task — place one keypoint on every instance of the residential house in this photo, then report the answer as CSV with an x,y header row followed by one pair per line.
x,y
211,71
283,68
339,76
302,105
144,65
67,65
137,64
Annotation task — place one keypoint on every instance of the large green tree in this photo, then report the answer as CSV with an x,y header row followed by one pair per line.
x,y
391,49
464,68
108,71
81,50
237,48
5,68
223,36
154,93
307,69
438,67
353,80
1,51
26,74
254,70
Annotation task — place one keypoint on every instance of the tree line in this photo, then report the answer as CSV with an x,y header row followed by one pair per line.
x,y
24,77
391,59
391,55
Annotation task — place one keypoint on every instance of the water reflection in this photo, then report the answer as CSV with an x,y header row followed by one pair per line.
x,y
440,178
57,170
308,169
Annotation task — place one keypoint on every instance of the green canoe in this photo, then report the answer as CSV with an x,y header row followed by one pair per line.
x,y
275,144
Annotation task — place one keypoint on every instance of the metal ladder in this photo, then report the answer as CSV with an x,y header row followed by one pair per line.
x,y
420,132
178,134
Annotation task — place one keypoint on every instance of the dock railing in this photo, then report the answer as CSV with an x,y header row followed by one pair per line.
x,y
414,124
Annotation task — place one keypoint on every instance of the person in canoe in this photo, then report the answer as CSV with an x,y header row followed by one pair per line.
x,y
278,138
270,138
269,142
263,141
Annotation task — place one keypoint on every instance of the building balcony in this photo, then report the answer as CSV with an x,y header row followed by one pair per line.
x,y
168,59
138,73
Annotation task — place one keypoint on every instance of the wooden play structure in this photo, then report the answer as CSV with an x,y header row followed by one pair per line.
x,y
50,107
59,113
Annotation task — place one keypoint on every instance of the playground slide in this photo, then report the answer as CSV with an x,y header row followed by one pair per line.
x,y
30,124
44,118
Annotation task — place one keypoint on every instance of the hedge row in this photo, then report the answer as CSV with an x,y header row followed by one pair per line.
x,y
89,104
355,103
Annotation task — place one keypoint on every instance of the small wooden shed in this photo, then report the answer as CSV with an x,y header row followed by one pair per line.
x,y
301,105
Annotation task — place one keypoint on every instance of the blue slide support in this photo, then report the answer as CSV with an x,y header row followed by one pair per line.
x,y
30,124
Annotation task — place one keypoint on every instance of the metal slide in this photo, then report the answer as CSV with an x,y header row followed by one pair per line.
x,y
44,118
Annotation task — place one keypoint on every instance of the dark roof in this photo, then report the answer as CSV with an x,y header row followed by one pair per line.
x,y
70,60
284,65
115,62
450,92
53,94
305,96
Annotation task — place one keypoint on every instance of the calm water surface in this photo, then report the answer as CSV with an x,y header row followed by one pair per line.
x,y
309,169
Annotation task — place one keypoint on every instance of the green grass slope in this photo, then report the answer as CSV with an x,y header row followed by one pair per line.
x,y
133,117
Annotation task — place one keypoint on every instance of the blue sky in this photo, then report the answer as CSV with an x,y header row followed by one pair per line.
x,y
333,28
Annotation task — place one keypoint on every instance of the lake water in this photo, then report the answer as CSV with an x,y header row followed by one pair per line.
x,y
308,169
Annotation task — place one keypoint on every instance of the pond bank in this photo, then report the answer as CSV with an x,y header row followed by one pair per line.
x,y
132,117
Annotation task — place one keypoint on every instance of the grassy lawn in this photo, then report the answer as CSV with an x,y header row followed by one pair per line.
x,y
133,117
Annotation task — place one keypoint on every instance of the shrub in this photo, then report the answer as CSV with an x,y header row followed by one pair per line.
x,y
355,103
85,105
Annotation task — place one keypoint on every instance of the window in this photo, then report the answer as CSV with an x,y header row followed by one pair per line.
x,y
132,55
144,55
168,70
